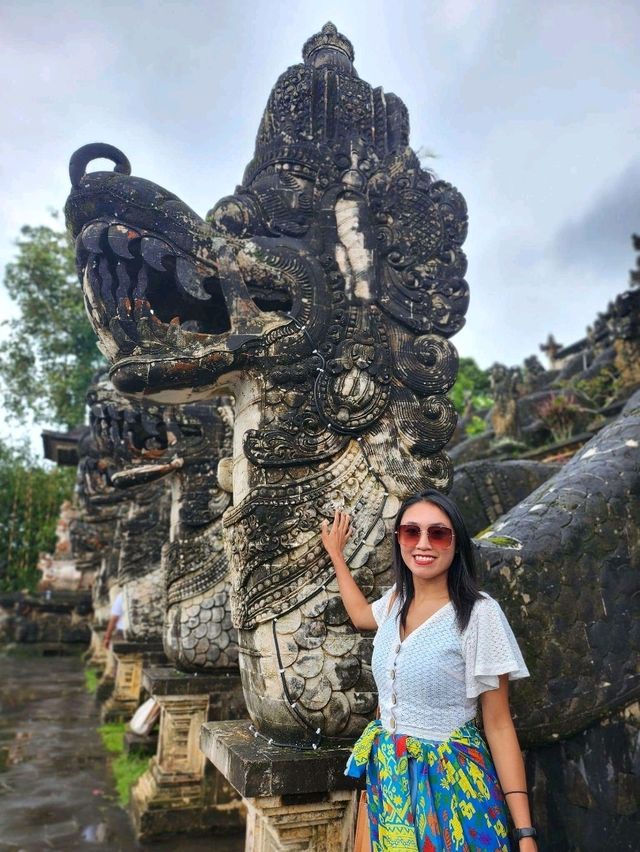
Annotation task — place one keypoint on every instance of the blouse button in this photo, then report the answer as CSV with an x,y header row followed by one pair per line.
x,y
392,723
393,674
397,649
394,699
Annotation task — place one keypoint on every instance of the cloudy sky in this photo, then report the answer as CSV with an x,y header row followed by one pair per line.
x,y
531,108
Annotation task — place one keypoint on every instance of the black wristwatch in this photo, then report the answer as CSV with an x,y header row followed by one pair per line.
x,y
520,833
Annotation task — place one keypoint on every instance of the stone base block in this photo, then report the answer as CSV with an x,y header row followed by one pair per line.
x,y
177,803
127,690
296,800
180,793
324,823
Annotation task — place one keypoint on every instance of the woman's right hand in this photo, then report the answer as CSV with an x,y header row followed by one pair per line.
x,y
335,537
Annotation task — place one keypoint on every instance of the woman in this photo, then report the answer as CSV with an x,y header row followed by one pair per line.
x,y
440,644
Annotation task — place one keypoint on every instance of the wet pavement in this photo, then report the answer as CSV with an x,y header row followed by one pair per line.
x,y
56,790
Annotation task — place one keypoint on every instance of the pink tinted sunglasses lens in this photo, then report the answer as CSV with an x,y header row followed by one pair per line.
x,y
439,537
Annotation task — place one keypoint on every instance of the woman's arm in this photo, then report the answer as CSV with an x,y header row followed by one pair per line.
x,y
111,626
505,751
334,539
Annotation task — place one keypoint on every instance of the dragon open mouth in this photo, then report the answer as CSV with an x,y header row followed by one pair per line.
x,y
174,303
142,293
136,282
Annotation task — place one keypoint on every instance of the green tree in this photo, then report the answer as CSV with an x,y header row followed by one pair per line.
x,y
50,354
472,383
30,500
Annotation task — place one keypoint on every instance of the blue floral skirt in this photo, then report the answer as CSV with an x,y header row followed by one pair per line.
x,y
428,796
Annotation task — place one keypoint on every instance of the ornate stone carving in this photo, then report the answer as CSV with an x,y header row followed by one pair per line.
x,y
124,430
321,296
506,385
175,576
198,633
93,532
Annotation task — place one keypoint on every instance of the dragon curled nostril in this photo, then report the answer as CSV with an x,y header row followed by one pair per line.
x,y
81,158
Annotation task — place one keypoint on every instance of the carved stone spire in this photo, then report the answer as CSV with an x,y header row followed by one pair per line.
x,y
321,109
329,47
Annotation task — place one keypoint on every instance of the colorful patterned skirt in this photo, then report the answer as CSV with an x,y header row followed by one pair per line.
x,y
431,796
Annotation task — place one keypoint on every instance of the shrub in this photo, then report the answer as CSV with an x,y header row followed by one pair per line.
x,y
562,415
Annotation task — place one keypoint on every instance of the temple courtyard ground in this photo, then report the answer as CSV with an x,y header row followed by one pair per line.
x,y
56,788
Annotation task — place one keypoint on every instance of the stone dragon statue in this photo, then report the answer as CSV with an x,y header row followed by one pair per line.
x,y
322,297
92,533
197,629
143,516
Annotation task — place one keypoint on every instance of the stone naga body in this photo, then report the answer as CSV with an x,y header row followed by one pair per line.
x,y
322,297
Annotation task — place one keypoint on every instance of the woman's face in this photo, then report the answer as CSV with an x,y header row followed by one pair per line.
x,y
423,559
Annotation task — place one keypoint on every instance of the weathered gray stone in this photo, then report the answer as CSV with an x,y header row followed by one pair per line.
x,y
256,768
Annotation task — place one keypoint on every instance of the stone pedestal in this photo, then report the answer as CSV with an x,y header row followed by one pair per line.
x,y
108,678
130,659
97,655
295,800
180,792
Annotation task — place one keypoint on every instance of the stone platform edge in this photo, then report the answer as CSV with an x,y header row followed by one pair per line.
x,y
257,769
166,680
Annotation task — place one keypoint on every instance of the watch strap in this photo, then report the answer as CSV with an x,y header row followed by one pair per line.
x,y
528,831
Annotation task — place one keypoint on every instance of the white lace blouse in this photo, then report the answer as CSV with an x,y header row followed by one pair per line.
x,y
429,684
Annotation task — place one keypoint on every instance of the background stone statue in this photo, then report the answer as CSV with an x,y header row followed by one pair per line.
x,y
197,631
124,432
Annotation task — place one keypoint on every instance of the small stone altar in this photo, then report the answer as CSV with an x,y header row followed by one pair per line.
x,y
130,659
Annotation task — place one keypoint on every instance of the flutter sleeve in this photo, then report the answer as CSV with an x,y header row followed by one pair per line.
x,y
380,608
117,608
490,649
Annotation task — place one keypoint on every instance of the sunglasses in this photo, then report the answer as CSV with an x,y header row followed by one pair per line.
x,y
439,536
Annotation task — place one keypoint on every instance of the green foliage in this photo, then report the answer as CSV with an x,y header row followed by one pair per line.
x,y
501,540
50,353
562,415
475,426
30,499
112,735
472,385
127,768
91,680
602,389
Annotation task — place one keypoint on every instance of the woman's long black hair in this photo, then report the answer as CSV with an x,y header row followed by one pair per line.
x,y
461,579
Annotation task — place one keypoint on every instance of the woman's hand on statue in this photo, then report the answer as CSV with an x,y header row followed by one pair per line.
x,y
335,537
